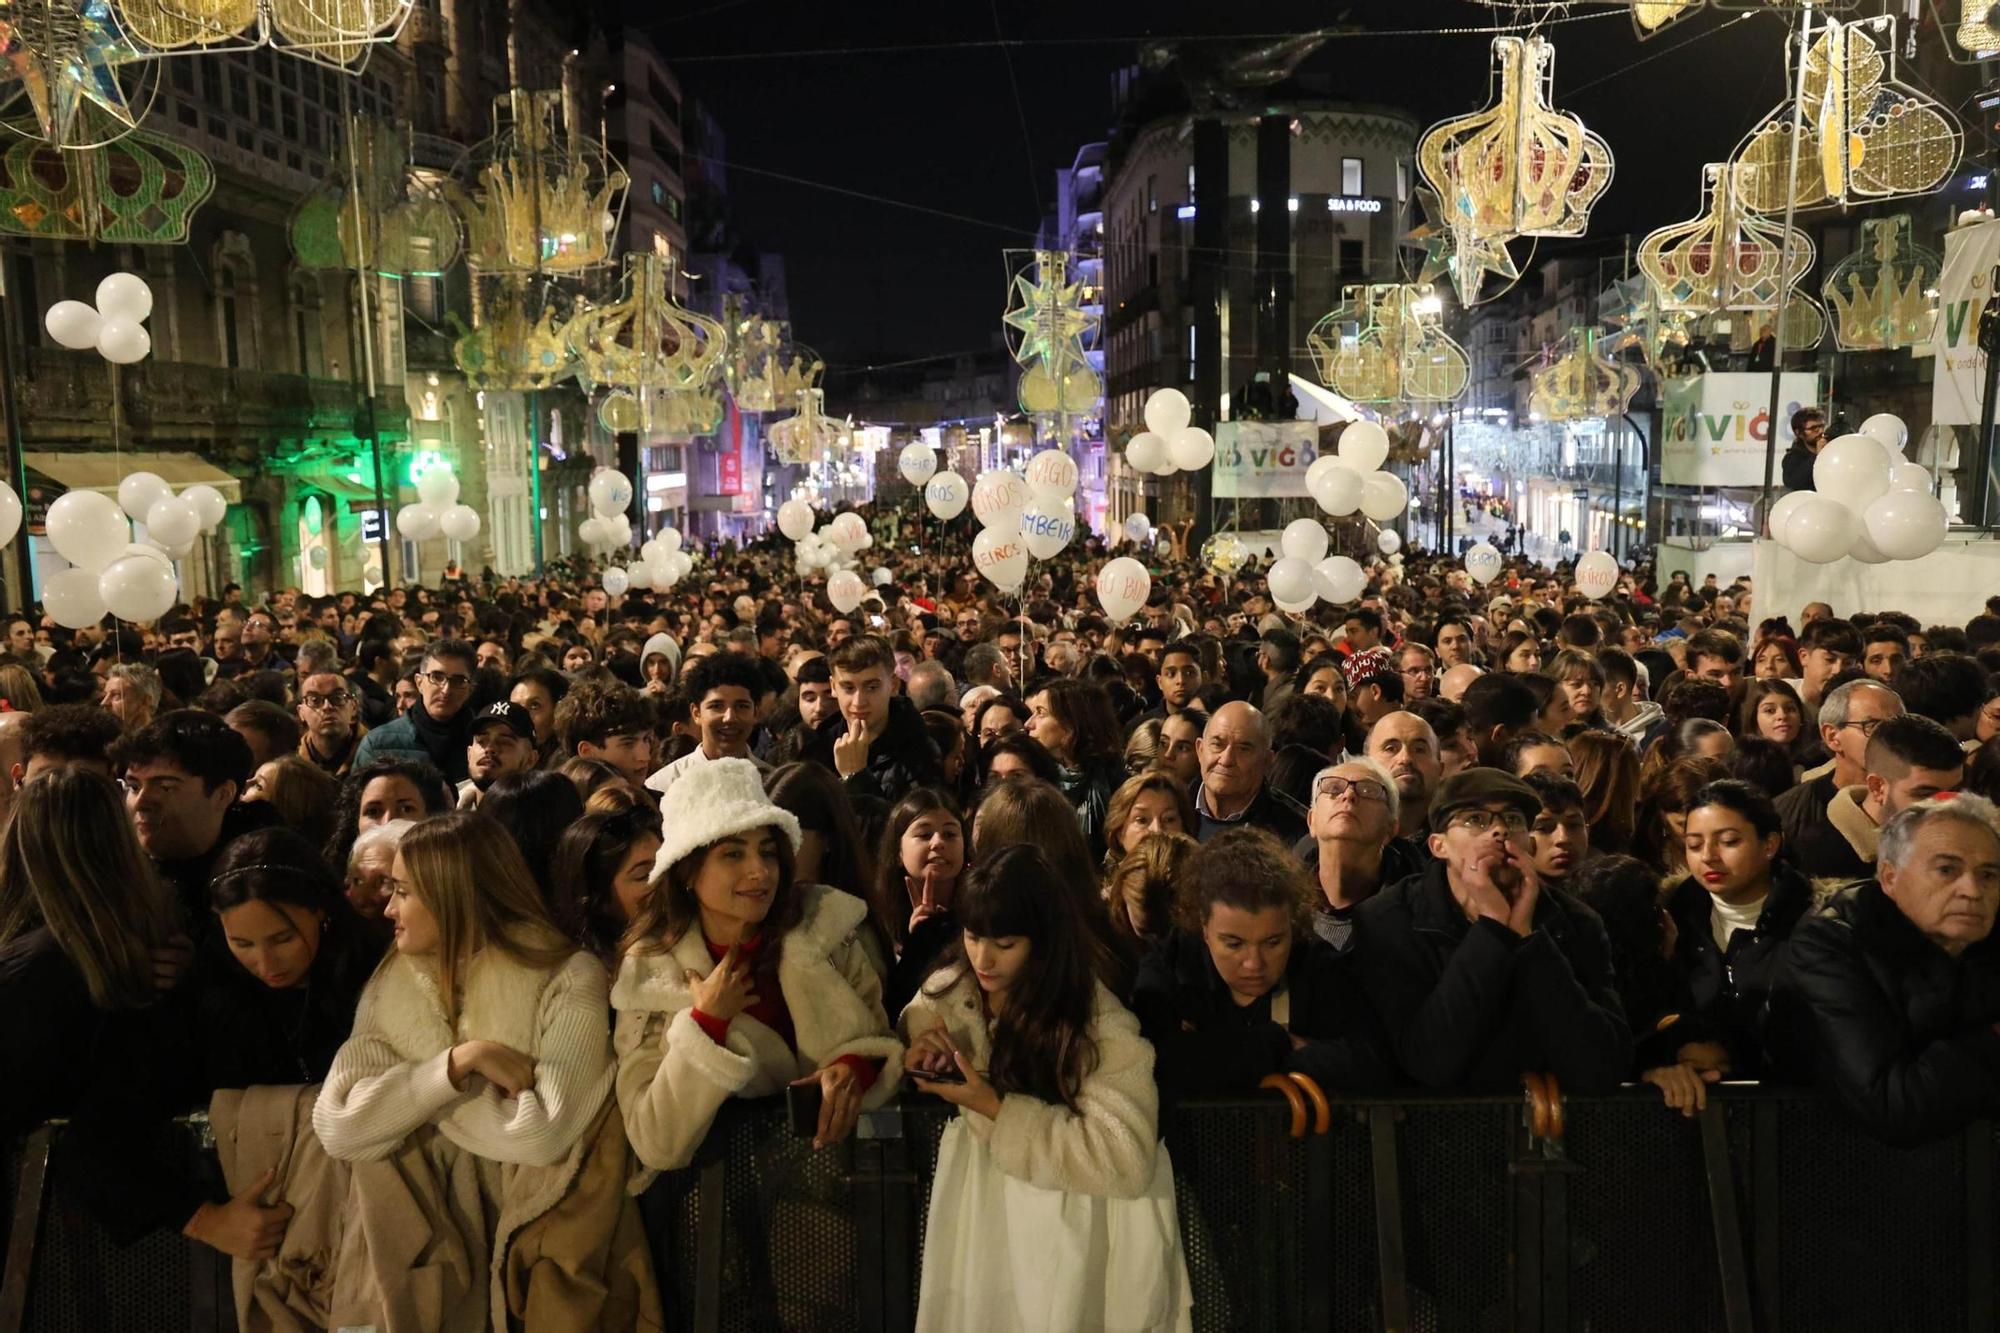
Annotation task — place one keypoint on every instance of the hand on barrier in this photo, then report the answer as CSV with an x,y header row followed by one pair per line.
x,y
1290,1091
243,1228
1683,1086
840,1102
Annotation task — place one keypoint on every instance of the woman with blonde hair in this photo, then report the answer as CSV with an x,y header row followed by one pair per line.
x,y
1140,891
18,688
739,981
1607,774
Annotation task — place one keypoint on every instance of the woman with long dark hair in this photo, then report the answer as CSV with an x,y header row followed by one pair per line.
x,y
922,860
1056,1144
602,871
1073,720
535,808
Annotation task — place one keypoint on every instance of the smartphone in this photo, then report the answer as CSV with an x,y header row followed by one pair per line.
x,y
802,1103
953,1075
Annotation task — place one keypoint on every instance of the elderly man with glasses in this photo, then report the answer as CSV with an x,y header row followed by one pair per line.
x,y
438,727
1479,971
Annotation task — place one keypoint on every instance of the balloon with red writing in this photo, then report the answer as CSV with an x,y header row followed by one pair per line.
x,y
1002,557
1122,587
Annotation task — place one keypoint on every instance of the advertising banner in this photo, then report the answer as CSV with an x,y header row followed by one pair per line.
x,y
1259,460
1714,427
1963,289
729,461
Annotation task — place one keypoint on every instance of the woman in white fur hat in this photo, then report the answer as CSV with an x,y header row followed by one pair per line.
x,y
738,981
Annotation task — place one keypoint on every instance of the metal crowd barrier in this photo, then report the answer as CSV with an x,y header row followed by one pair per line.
x,y
1769,1212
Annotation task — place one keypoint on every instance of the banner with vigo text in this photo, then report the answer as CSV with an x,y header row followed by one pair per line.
x,y
1260,460
1713,427
1963,290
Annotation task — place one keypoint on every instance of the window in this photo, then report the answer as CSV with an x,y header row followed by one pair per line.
x,y
1190,182
1153,270
1402,182
1152,194
1191,338
1351,181
1353,261
225,307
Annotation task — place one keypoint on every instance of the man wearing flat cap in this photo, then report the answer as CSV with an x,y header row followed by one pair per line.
x,y
1480,972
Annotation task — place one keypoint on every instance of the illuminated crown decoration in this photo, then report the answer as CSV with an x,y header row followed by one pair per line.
x,y
765,368
405,224
1975,31
1051,329
1384,343
141,190
809,435
543,197
1583,382
1727,258
513,347
1884,295
1649,17
330,32
1864,136
1516,168
644,341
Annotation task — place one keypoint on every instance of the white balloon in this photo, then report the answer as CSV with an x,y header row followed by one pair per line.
x,y
998,499
917,462
1146,451
639,575
122,342
1865,552
1782,511
845,591
417,522
316,557
1167,413
1123,586
1339,488
848,534
795,519
1483,563
208,503
610,492
1820,531
1167,467
172,521
946,495
1908,476
146,550
1304,539
10,513
138,589
1888,429
1383,496
1906,525
669,539
590,531
1300,607
1363,446
1339,579
71,598
881,577
1596,574
1047,526
460,523
1001,556
1291,580
138,490
679,563
1852,470
615,581
617,529
1191,449
1138,527
437,486
1052,475
88,529
125,296
73,324
1388,541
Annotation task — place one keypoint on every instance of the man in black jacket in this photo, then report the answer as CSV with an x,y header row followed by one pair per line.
x,y
1479,973
1901,977
1808,438
1908,759
878,745
1235,758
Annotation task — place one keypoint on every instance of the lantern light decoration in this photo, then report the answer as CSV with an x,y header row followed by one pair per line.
x,y
1865,137
340,33
514,346
1727,257
810,434
405,225
1583,383
1050,329
645,344
544,198
1884,295
1385,343
764,369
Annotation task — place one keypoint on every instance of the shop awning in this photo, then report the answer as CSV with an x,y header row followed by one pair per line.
x,y
102,471
351,495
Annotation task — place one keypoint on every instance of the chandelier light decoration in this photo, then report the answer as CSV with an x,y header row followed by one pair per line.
x,y
517,342
764,367
340,33
1385,342
1583,382
1727,258
141,190
402,225
1050,329
810,434
1884,296
1516,168
645,345
1864,136
543,197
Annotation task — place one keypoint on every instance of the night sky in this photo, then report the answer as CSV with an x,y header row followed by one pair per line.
x,y
937,125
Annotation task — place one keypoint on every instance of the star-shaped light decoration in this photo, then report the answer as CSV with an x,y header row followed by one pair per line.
x,y
62,54
1046,310
1454,251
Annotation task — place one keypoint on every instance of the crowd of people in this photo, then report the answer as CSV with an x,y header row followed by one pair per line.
x,y
464,911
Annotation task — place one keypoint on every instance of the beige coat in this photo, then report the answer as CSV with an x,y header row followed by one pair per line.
x,y
672,1078
1107,1146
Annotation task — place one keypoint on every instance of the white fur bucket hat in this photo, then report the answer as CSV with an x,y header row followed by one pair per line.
x,y
719,799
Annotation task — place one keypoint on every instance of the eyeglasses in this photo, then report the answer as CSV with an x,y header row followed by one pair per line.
x,y
320,703
1867,725
1333,787
1484,821
457,680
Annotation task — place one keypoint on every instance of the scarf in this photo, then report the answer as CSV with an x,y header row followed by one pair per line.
x,y
444,742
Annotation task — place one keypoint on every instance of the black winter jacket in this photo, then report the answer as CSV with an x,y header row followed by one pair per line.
x,y
1470,1006
903,757
1204,1041
1732,995
1903,1032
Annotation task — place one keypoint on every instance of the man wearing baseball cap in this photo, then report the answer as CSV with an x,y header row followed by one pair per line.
x,y
503,742
1481,973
